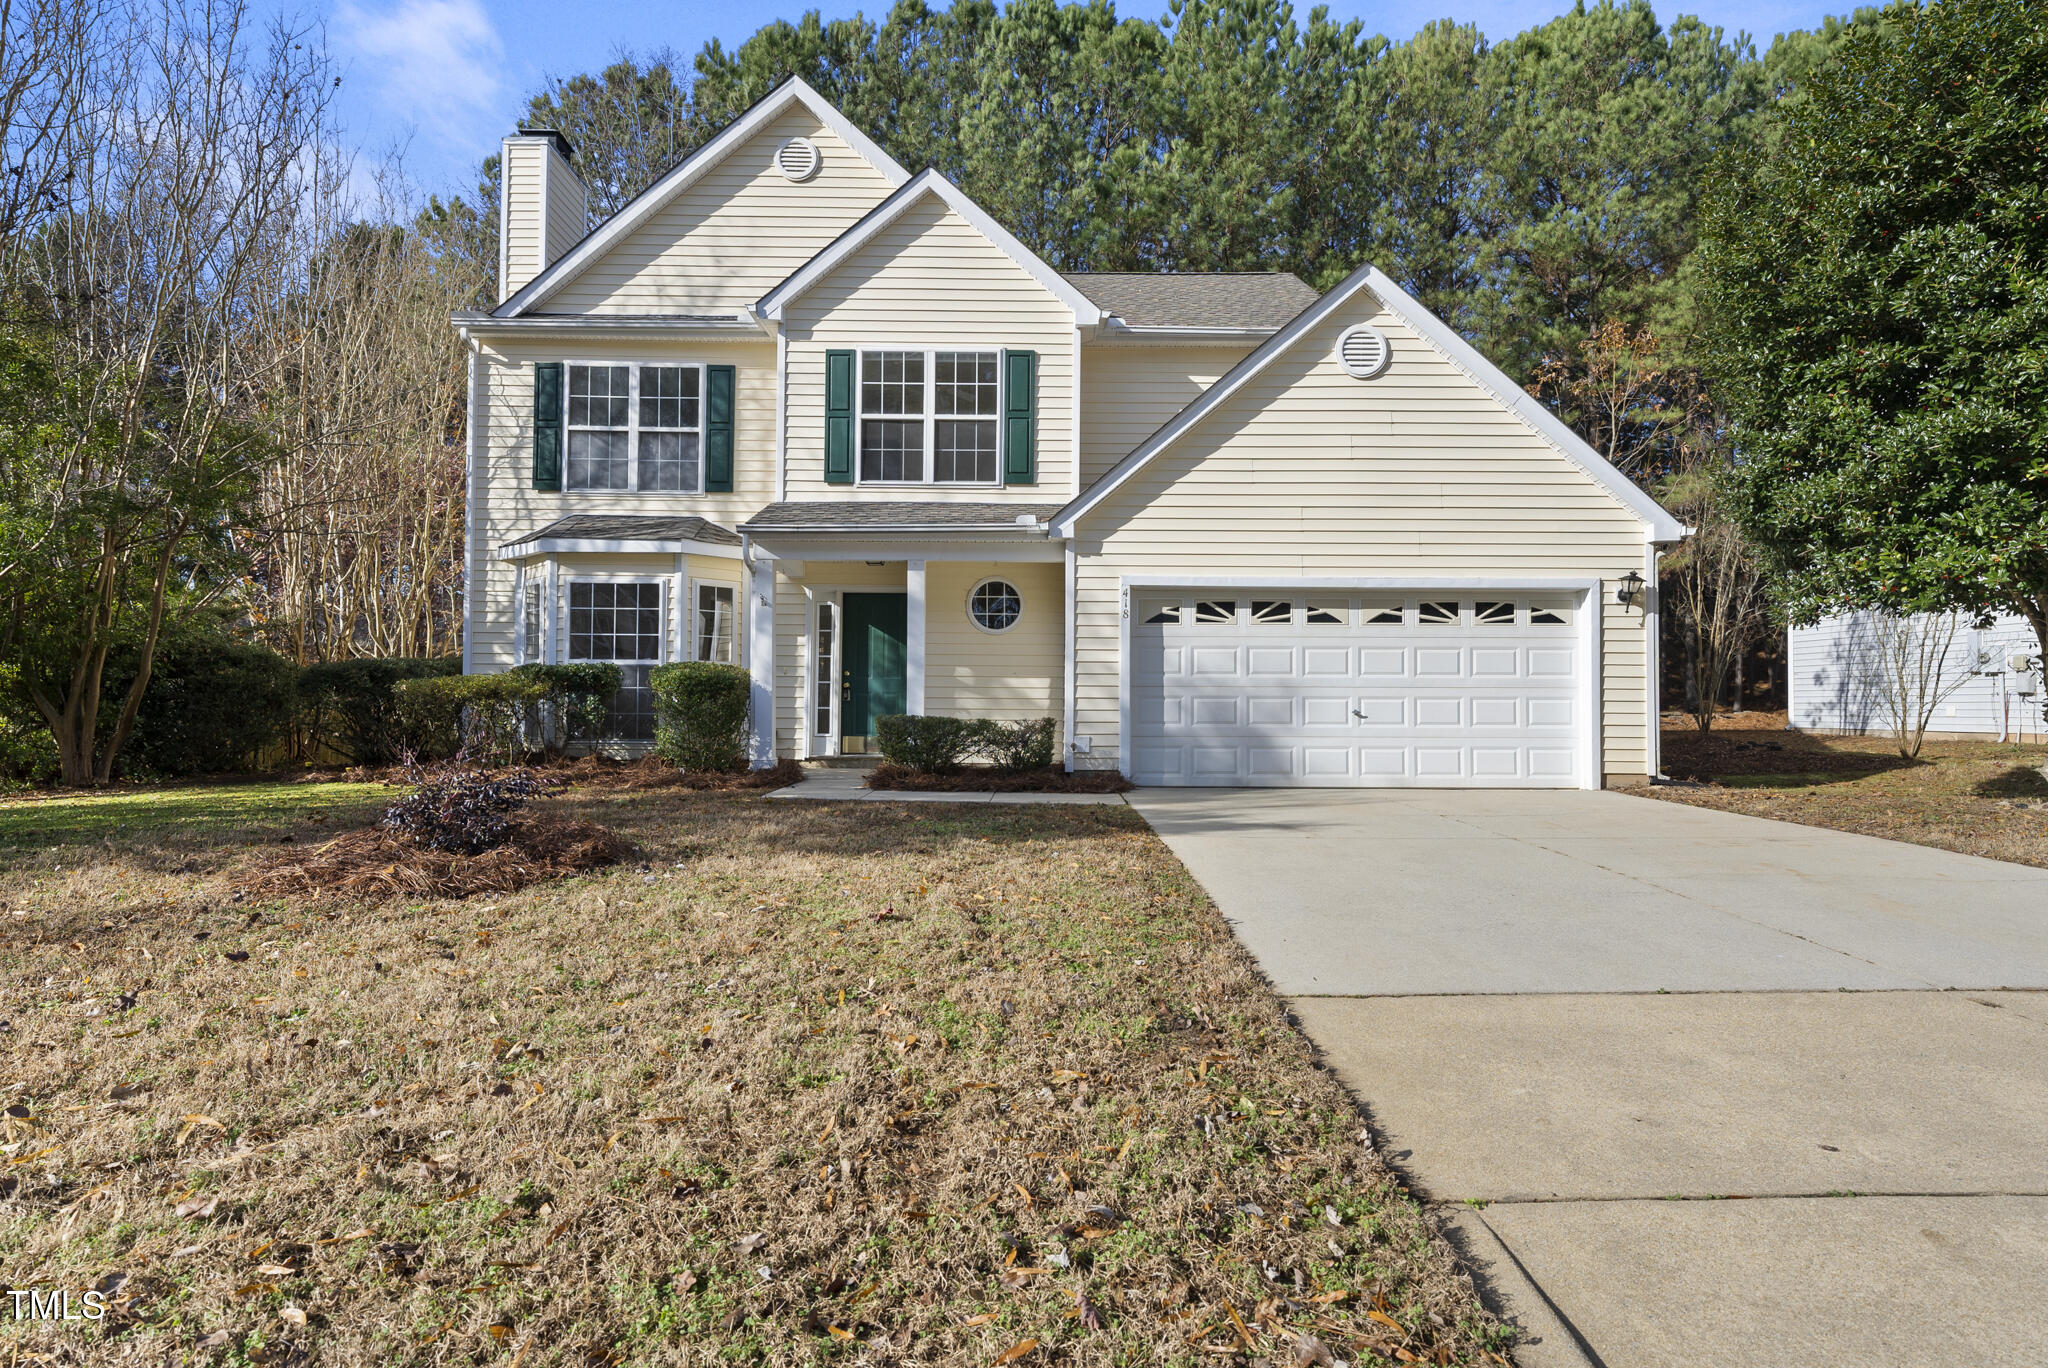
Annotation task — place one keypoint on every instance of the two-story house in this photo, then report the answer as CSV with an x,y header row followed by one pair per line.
x,y
799,409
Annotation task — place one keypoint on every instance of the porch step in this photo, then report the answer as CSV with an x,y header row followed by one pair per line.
x,y
852,762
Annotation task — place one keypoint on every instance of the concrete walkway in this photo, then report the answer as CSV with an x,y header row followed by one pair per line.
x,y
849,785
1569,1009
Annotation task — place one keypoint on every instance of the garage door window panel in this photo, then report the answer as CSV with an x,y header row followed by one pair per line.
x,y
1215,611
1437,613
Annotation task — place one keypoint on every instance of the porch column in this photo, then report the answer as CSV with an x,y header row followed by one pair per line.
x,y
913,636
761,656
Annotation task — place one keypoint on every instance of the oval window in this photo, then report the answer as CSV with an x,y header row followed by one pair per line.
x,y
995,605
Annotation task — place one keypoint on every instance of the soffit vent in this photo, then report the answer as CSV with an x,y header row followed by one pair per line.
x,y
798,159
1364,352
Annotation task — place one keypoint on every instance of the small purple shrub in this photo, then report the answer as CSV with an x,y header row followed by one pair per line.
x,y
464,811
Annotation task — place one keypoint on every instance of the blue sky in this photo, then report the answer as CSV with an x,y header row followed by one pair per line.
x,y
445,79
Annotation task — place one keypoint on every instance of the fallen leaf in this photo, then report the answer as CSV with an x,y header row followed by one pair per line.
x,y
1015,1352
271,1270
292,1315
1087,1312
201,1207
747,1245
1310,1352
1384,1319
213,1340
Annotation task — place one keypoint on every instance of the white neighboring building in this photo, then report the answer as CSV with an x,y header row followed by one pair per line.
x,y
1834,682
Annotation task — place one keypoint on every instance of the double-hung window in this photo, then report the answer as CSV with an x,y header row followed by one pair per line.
x,y
717,629
620,621
635,429
929,417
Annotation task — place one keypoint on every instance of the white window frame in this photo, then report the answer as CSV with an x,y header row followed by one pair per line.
x,y
633,369
565,645
968,605
930,418
693,641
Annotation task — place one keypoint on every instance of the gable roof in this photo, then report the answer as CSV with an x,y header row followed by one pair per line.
x,y
1262,300
1661,525
608,532
686,172
927,182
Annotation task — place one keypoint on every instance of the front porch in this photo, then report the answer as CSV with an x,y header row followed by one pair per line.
x,y
950,613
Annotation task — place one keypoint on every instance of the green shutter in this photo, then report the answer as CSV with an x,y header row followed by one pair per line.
x,y
547,425
1020,417
838,417
718,429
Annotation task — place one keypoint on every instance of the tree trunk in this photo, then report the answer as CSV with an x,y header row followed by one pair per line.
x,y
1741,655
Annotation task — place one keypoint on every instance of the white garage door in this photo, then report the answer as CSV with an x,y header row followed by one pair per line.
x,y
1286,687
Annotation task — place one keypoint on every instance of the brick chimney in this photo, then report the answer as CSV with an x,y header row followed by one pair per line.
x,y
543,210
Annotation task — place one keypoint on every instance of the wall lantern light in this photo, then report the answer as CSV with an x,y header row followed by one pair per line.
x,y
1632,593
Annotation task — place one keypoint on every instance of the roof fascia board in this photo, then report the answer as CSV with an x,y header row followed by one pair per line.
x,y
586,323
771,306
686,172
1660,525
555,546
1462,354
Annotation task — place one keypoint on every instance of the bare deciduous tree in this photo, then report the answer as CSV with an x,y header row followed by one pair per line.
x,y
1711,583
184,225
1911,653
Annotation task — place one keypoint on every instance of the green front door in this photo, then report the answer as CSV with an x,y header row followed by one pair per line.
x,y
871,659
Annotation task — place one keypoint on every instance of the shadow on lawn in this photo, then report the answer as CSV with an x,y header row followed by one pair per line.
x,y
2020,781
1772,759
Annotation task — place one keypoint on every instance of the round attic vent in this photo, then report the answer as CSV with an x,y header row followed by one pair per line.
x,y
1363,351
798,159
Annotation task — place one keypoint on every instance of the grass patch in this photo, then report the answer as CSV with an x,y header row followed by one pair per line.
x,y
1978,797
809,1084
198,814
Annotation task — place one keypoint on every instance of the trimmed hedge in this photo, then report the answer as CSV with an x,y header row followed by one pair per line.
x,y
213,705
701,715
940,745
486,718
352,705
577,698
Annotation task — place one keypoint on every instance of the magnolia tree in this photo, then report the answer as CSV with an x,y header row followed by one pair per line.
x,y
1876,292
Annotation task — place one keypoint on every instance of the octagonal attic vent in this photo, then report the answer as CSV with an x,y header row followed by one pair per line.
x,y
1364,352
798,159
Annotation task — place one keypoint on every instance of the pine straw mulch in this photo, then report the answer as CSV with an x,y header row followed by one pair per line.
x,y
982,779
377,862
816,1083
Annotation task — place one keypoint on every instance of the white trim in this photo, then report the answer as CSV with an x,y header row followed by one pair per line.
x,y
781,416
1592,745
1662,527
686,173
1074,421
1653,668
471,552
760,619
914,610
546,546
772,305
739,327
551,649
817,599
1072,593
690,647
519,616
926,548
504,215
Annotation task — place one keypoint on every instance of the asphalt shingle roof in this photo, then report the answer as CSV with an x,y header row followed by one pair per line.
x,y
1154,299
609,527
871,514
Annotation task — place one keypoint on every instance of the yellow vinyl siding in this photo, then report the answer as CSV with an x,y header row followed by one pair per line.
x,y
1307,472
508,506
524,168
733,234
1011,675
1129,390
930,279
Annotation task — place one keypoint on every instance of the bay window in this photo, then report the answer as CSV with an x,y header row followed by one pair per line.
x,y
621,622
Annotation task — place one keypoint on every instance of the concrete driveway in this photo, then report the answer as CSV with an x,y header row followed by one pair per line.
x,y
1564,1010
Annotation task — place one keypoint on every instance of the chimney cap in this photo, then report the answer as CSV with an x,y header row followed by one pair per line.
x,y
562,144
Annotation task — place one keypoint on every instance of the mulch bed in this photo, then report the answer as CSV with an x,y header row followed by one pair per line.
x,y
376,862
980,779
1753,745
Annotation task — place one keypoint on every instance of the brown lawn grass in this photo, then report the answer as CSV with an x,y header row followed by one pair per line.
x,y
813,1083
1978,797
